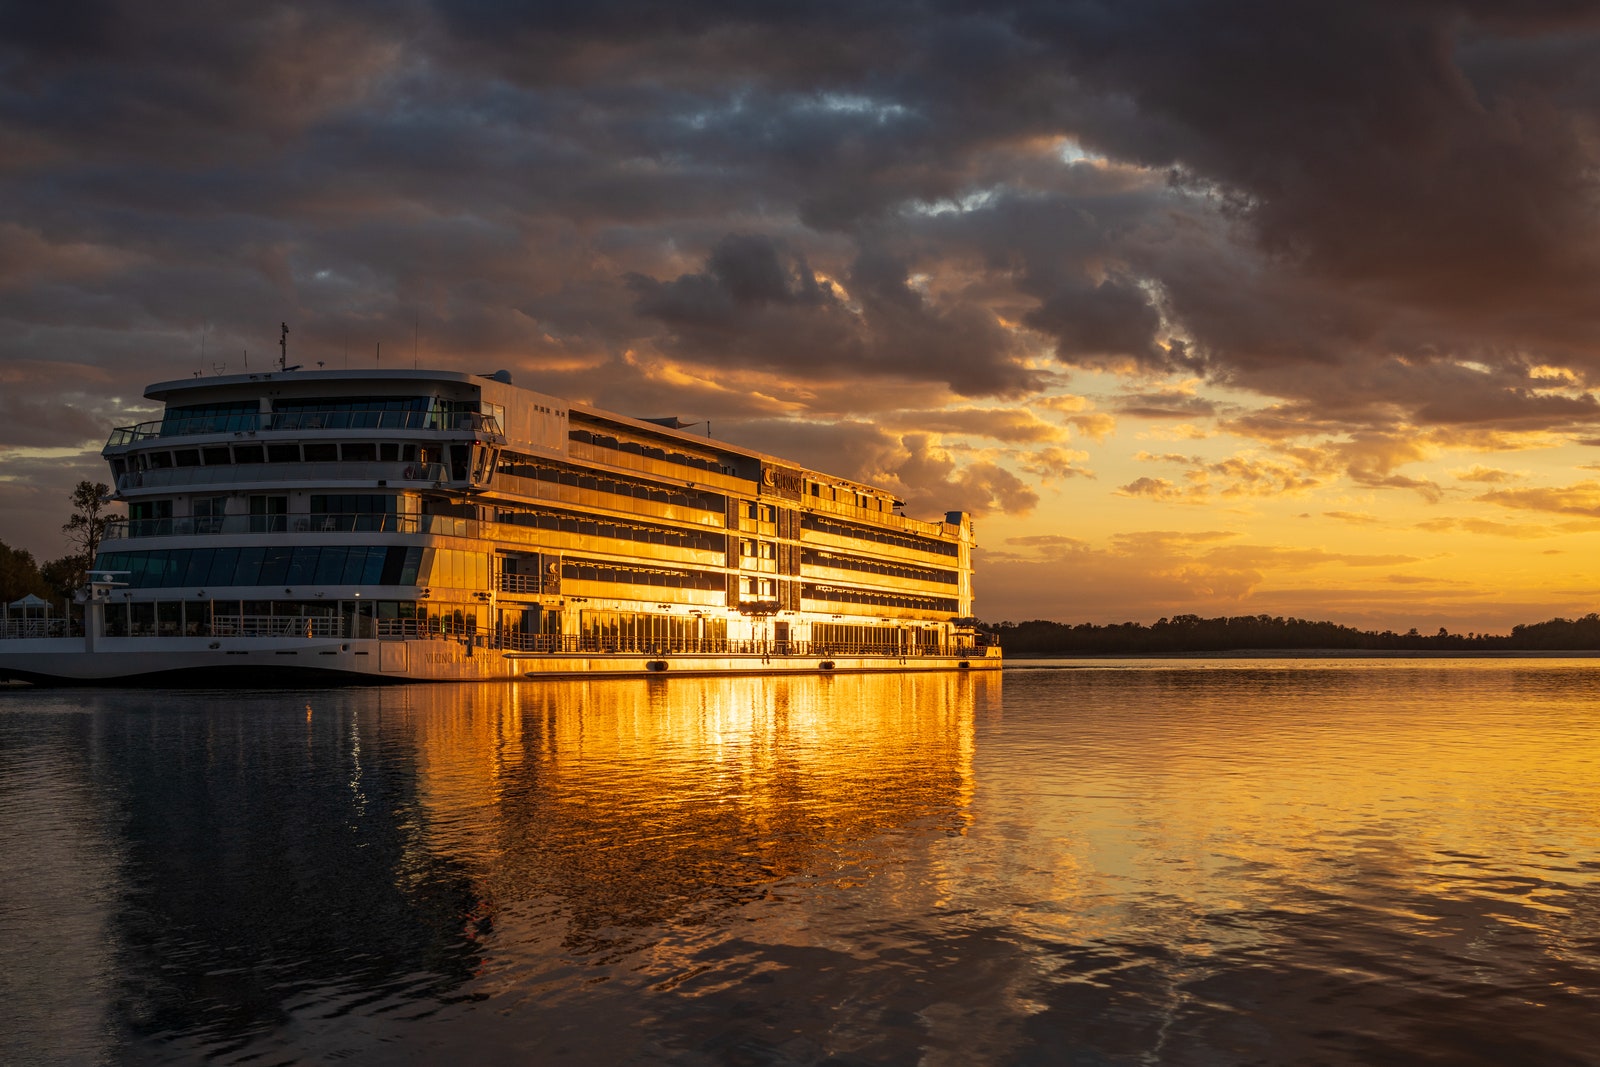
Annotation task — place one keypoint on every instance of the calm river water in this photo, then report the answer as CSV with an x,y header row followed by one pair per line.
x,y
1145,862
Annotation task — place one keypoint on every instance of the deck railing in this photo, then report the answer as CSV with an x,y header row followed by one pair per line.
x,y
25,628
345,627
270,421
317,522
296,473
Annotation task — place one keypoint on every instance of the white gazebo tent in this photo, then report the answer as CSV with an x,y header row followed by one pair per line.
x,y
33,616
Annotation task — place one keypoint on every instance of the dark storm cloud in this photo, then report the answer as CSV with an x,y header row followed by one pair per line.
x,y
1374,215
758,304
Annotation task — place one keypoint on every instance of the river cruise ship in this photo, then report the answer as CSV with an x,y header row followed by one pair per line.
x,y
389,525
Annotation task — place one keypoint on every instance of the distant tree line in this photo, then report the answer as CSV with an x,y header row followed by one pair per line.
x,y
1191,633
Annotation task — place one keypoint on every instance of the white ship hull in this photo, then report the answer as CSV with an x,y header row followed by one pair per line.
x,y
295,661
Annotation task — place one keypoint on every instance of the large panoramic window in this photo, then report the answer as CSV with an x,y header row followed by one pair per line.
x,y
211,418
273,565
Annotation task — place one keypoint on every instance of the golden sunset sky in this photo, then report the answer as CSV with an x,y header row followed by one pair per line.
x,y
1215,308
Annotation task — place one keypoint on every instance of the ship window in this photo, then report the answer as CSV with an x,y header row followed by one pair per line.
x,y
199,567
187,457
249,572
248,454
222,567
211,418
330,565
207,512
372,565
322,452
269,514
275,560
389,452
283,453
359,452
160,460
302,566
215,457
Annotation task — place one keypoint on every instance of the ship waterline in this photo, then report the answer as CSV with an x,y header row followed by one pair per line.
x,y
432,525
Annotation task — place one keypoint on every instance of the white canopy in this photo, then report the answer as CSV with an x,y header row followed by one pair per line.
x,y
29,601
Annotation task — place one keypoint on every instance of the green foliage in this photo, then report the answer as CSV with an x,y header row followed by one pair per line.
x,y
89,518
1191,633
65,576
19,575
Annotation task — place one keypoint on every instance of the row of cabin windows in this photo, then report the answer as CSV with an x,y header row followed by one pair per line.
x,y
269,565
842,495
286,452
833,594
822,524
519,466
594,526
597,571
812,558
599,440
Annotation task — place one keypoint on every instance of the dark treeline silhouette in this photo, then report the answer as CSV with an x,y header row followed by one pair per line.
x,y
1191,633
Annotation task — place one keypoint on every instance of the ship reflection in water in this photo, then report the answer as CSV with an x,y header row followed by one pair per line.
x,y
1342,862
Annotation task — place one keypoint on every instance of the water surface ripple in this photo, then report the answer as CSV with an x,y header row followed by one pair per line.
x,y
1140,862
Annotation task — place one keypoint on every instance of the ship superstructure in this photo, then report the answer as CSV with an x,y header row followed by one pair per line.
x,y
390,524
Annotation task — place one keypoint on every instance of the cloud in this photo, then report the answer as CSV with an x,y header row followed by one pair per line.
x,y
1012,425
1355,518
1164,490
1580,498
1485,527
1053,463
758,301
1484,475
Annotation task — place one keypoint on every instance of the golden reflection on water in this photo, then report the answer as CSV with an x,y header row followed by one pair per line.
x,y
1216,809
632,802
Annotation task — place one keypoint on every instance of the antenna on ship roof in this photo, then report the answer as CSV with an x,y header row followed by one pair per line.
x,y
283,344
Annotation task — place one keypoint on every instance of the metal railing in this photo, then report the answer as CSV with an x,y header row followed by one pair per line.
x,y
280,421
520,583
316,522
25,628
276,626
355,471
589,643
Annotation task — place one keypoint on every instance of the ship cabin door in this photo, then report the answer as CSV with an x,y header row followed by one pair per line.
x,y
780,638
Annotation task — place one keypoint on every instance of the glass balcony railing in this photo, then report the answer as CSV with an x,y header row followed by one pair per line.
x,y
391,472
365,522
289,421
